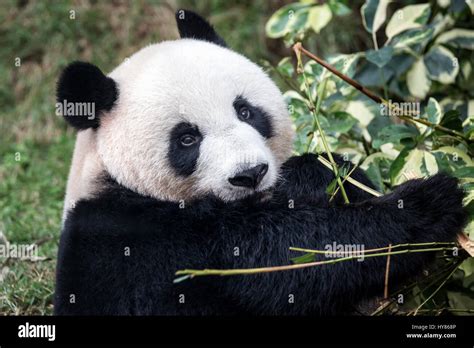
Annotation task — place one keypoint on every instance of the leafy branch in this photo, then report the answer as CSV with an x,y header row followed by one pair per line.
x,y
416,63
300,49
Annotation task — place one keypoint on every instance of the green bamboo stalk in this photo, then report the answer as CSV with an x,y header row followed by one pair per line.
x,y
315,111
190,273
314,251
343,182
453,310
354,182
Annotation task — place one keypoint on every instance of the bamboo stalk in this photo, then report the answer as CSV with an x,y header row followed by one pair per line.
x,y
354,182
343,182
315,111
315,251
453,310
387,271
245,271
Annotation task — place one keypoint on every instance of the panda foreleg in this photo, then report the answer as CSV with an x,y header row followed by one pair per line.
x,y
417,211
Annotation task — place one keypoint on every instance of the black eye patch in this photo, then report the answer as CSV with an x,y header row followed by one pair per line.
x,y
182,153
254,116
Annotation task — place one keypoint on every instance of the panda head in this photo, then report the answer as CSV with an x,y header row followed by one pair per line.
x,y
183,119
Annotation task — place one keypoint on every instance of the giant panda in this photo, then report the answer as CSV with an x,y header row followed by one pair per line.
x,y
188,160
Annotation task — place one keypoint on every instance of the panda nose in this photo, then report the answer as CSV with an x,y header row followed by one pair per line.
x,y
250,177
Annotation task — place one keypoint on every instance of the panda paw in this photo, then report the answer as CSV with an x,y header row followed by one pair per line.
x,y
433,205
303,176
306,177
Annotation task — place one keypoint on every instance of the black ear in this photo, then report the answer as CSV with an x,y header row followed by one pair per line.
x,y
83,93
193,26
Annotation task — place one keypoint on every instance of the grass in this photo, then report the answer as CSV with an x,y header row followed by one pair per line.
x,y
31,192
35,145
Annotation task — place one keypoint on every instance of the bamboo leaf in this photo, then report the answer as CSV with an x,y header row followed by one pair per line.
x,y
319,17
377,168
458,38
380,57
417,80
374,13
441,65
412,163
433,111
412,37
339,8
331,187
285,67
286,19
338,122
394,134
409,17
303,258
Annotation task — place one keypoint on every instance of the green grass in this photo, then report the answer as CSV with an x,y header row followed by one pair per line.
x,y
31,192
36,146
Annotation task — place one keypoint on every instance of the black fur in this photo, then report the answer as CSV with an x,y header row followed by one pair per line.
x,y
193,26
164,238
296,183
258,119
183,158
84,83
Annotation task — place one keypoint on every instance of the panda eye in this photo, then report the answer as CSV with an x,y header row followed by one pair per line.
x,y
188,140
244,113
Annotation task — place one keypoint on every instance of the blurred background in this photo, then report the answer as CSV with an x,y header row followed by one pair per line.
x,y
39,38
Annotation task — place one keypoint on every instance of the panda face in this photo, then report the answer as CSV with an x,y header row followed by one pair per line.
x,y
179,120
194,118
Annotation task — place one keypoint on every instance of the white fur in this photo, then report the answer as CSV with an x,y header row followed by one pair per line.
x,y
85,168
196,82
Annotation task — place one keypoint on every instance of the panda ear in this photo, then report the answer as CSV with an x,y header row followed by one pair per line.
x,y
193,26
83,94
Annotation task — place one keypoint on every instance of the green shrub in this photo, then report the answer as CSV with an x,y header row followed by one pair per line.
x,y
422,125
